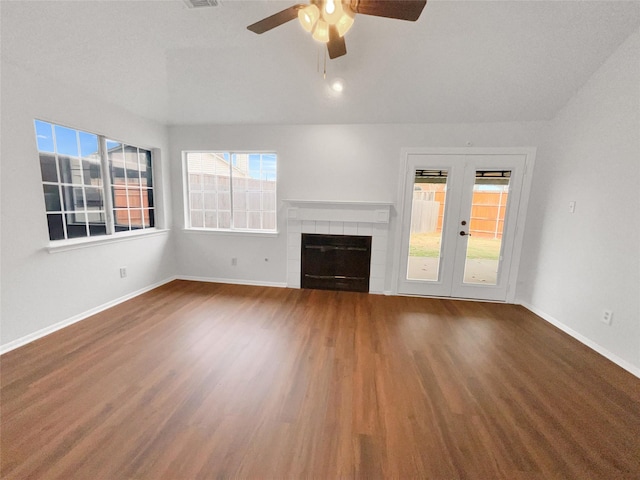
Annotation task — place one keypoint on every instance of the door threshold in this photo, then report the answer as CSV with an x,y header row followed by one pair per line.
x,y
453,298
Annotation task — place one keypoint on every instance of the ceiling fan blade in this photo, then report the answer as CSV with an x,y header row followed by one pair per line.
x,y
400,9
336,45
276,20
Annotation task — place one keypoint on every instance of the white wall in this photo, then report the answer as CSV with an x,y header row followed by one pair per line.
x,y
576,265
315,162
40,289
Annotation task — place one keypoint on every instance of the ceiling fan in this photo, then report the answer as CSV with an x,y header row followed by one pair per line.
x,y
329,20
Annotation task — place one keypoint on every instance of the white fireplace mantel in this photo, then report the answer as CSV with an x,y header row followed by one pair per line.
x,y
339,211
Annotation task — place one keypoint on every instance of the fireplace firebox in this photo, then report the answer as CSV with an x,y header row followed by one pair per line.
x,y
335,262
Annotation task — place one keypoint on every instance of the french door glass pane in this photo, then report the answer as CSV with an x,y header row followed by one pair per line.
x,y
427,214
488,209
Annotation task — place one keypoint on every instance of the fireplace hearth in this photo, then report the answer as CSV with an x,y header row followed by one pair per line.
x,y
335,262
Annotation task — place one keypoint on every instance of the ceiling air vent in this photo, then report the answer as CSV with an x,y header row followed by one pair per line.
x,y
202,3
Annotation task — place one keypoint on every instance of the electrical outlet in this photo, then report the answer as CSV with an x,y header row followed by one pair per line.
x,y
607,315
234,261
123,272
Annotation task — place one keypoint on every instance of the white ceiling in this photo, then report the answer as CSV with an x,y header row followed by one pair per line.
x,y
462,61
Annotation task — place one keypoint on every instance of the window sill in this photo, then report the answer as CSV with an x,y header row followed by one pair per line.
x,y
74,244
250,233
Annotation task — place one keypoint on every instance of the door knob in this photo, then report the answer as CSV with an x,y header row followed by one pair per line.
x,y
463,233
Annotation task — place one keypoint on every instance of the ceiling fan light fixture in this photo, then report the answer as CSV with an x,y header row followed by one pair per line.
x,y
308,16
321,31
329,6
346,21
329,20
332,11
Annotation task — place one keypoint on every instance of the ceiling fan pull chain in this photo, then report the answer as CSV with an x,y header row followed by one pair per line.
x,y
324,75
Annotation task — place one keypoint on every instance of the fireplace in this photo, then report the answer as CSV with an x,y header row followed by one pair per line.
x,y
338,218
335,262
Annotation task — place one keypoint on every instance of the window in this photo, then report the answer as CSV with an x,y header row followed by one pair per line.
x,y
79,202
131,185
231,190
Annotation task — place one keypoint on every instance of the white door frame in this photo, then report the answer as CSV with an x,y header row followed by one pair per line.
x,y
528,152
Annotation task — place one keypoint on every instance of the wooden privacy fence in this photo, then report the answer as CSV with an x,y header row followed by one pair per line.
x,y
487,213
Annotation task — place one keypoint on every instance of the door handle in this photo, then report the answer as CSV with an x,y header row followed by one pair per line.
x,y
463,233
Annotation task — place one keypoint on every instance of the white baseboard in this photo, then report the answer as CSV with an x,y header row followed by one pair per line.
x,y
256,283
582,339
7,347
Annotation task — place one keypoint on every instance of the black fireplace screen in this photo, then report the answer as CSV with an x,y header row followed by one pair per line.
x,y
336,262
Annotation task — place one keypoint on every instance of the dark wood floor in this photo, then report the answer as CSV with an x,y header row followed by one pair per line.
x,y
196,380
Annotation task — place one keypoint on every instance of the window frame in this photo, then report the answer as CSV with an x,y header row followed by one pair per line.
x,y
105,187
232,230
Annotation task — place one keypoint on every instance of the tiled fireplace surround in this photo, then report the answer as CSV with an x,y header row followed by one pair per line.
x,y
338,218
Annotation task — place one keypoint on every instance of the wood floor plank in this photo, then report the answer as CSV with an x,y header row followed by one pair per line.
x,y
197,380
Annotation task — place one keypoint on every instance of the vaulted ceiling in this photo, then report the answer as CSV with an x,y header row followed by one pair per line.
x,y
462,61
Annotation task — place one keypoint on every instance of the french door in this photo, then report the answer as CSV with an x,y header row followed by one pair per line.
x,y
459,222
